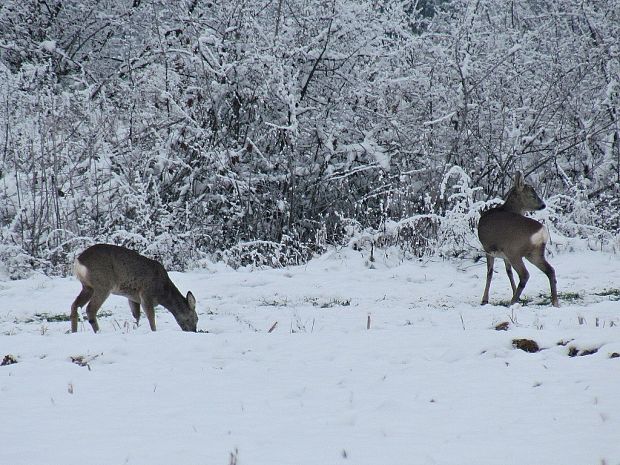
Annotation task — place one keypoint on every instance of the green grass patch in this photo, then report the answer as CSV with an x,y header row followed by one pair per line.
x,y
570,296
335,302
523,301
282,302
49,317
545,299
59,317
613,293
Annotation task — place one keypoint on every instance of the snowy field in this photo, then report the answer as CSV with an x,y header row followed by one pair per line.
x,y
430,382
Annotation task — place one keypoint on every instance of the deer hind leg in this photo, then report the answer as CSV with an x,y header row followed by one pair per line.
x,y
93,307
490,262
135,310
149,309
79,302
543,265
524,275
510,276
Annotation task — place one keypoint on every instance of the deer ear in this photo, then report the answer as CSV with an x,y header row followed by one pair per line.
x,y
191,300
519,180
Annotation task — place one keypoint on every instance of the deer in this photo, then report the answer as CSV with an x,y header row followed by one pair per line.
x,y
105,269
505,232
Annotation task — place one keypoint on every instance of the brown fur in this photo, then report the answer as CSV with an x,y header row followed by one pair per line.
x,y
105,269
505,233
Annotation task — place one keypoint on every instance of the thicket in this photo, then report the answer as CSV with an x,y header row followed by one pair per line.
x,y
263,131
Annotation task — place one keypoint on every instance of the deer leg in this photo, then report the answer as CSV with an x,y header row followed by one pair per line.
x,y
510,276
93,307
79,302
149,309
485,296
544,266
135,310
519,266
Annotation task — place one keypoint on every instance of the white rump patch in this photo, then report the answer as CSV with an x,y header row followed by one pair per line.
x,y
541,237
80,271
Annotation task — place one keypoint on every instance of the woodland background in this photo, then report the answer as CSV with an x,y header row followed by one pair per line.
x,y
263,131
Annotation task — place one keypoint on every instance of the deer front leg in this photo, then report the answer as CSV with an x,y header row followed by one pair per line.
x,y
544,266
135,310
149,308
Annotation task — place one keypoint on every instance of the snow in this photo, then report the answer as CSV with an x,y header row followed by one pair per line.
x,y
431,381
48,45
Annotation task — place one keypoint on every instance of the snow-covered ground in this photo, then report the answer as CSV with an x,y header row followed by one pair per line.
x,y
430,382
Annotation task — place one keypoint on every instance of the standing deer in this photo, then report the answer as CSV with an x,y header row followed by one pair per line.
x,y
505,233
105,269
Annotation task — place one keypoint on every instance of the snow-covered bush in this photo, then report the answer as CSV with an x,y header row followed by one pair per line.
x,y
267,253
447,230
192,129
15,263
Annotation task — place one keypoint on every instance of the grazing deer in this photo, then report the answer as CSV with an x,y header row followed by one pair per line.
x,y
105,269
505,233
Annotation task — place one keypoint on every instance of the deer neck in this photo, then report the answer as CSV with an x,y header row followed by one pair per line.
x,y
511,204
171,298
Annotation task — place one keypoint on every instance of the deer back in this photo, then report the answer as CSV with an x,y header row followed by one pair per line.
x,y
508,234
121,271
